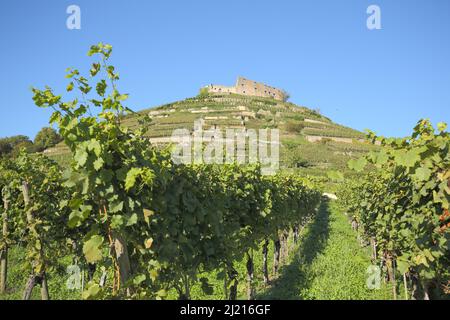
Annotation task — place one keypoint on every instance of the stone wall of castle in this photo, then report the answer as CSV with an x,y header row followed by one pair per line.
x,y
250,88
258,89
215,88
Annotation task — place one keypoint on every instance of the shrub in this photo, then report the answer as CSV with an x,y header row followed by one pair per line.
x,y
46,138
203,93
285,95
294,127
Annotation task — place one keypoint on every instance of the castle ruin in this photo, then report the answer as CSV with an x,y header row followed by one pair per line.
x,y
249,88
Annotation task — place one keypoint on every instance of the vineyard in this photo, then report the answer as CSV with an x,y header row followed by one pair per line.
x,y
401,209
139,226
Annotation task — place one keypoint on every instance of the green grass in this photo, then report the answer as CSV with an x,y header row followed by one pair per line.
x,y
333,131
329,264
18,274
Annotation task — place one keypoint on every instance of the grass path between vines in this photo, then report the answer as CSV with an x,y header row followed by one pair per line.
x,y
329,264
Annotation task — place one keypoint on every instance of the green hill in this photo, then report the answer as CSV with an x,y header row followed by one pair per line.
x,y
309,141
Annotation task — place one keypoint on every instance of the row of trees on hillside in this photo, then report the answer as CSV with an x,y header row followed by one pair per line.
x,y
46,138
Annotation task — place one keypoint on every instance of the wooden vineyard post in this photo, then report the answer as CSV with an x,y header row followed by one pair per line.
x,y
121,258
4,252
225,285
33,278
286,245
296,233
250,267
265,251
233,279
282,248
44,287
276,256
394,279
406,286
391,270
374,249
187,288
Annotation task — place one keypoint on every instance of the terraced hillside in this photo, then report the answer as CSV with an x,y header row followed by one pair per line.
x,y
309,141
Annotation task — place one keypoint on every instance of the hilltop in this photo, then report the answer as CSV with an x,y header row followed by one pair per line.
x,y
310,141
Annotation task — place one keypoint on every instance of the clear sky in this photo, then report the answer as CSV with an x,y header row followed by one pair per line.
x,y
320,51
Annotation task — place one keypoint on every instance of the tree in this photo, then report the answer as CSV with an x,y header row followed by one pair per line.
x,y
27,145
9,144
46,138
294,127
5,147
297,161
204,92
285,95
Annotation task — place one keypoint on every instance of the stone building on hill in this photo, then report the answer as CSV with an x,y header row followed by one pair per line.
x,y
250,88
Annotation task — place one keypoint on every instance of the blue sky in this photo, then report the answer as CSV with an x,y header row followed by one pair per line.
x,y
320,51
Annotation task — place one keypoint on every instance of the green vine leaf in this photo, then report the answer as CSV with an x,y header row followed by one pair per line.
x,y
92,249
357,165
